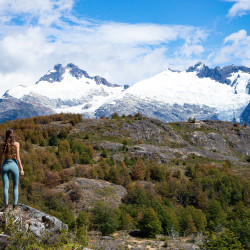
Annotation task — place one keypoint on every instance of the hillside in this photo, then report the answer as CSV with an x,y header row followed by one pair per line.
x,y
153,139
137,173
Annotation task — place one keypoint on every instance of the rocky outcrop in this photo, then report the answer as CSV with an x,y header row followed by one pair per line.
x,y
35,221
12,108
38,222
154,139
245,116
218,74
86,192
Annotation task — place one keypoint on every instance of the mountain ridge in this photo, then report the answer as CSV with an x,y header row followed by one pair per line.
x,y
200,92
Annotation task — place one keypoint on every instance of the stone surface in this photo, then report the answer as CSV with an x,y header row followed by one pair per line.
x,y
12,108
36,221
217,74
154,139
39,222
86,192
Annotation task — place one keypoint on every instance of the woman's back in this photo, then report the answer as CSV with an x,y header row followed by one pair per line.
x,y
11,152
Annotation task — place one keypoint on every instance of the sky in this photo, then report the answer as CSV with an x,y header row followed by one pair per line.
x,y
124,41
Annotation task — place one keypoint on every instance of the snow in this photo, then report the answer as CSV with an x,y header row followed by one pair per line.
x,y
242,80
167,87
185,87
200,66
70,88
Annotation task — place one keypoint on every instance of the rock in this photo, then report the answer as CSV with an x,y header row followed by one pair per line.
x,y
36,221
86,192
12,108
109,145
154,139
245,116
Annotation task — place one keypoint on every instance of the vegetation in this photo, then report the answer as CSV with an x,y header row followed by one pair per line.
x,y
223,240
20,238
175,198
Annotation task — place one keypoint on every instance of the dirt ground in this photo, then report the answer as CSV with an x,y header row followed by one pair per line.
x,y
123,240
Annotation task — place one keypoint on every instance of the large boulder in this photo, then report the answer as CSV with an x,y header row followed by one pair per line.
x,y
36,221
86,192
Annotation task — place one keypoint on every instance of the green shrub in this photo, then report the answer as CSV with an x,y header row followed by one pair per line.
x,y
105,218
224,240
53,141
150,225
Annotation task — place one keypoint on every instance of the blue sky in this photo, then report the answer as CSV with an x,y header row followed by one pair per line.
x,y
122,40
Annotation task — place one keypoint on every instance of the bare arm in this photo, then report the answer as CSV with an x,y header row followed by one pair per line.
x,y
18,158
1,156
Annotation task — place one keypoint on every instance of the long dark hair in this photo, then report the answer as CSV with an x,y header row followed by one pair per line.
x,y
9,140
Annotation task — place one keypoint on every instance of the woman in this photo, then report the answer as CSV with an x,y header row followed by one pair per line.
x,y
9,150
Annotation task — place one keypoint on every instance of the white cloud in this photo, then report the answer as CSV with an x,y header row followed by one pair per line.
x,y
44,12
240,8
97,48
236,48
123,53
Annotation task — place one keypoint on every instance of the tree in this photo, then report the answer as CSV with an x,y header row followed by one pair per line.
x,y
114,175
63,147
105,218
225,240
150,225
138,170
126,221
53,141
82,219
215,215
198,217
115,115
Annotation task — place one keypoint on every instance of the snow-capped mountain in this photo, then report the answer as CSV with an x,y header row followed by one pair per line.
x,y
68,89
198,92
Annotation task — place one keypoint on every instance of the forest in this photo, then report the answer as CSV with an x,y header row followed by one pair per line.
x,y
183,197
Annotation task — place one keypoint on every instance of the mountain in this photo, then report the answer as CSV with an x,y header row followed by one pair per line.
x,y
67,89
12,108
199,92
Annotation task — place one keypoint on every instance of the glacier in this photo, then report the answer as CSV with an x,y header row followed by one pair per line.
x,y
198,92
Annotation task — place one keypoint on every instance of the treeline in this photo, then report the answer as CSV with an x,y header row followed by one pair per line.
x,y
194,198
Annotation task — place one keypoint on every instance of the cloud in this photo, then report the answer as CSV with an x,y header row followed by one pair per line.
x,y
44,12
36,35
236,48
240,8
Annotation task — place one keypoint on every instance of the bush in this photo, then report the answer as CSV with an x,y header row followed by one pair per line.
x,y
53,141
115,115
105,218
224,240
150,225
20,238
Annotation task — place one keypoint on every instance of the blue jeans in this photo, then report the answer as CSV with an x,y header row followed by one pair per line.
x,y
10,166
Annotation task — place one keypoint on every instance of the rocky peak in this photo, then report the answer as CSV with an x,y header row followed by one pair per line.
x,y
217,74
197,67
76,71
54,75
99,80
